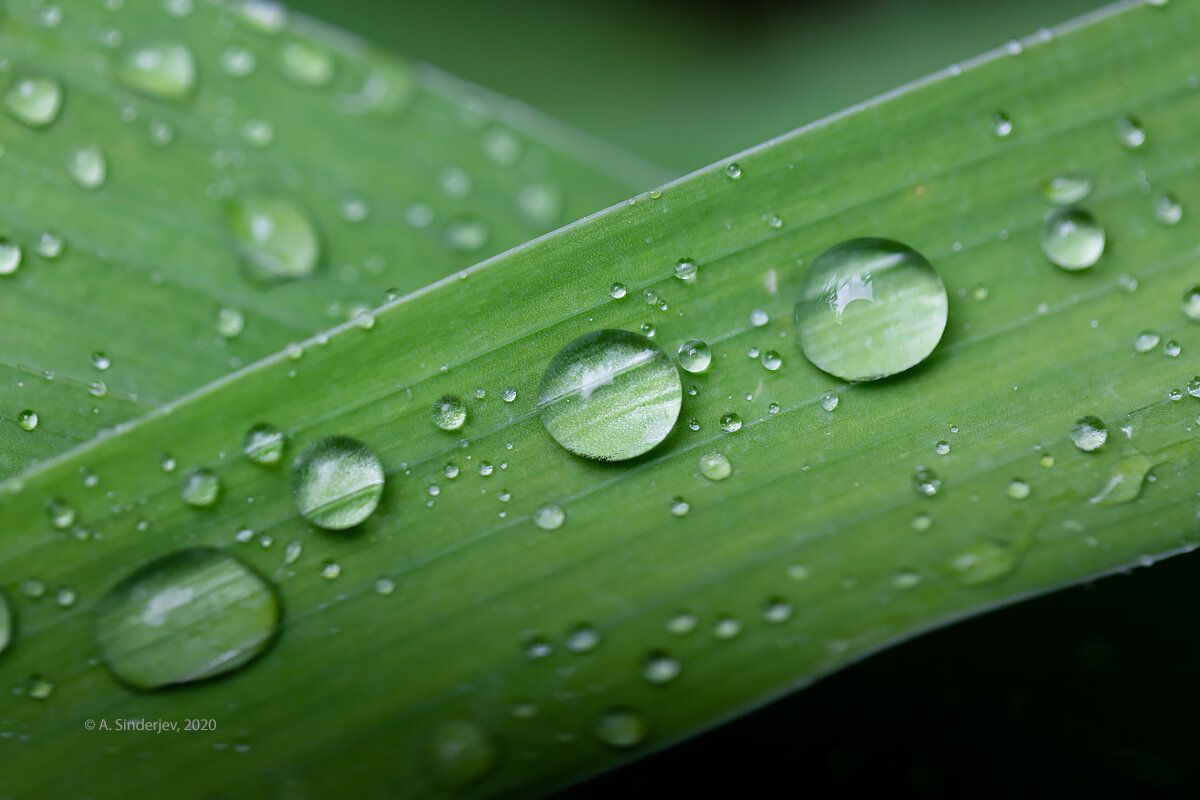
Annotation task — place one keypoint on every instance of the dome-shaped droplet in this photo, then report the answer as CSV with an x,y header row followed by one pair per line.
x,y
10,256
1131,133
230,323
273,236
449,412
621,729
200,488
1072,238
550,517
1089,434
264,444
306,64
661,668
1066,189
187,616
88,167
34,101
694,356
166,70
715,466
610,395
1167,209
6,623
869,308
337,482
28,419
1190,304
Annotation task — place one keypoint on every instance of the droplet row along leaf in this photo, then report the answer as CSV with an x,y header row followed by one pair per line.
x,y
134,136
818,517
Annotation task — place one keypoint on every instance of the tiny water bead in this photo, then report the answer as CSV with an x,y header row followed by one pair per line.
x,y
508,395
28,419
621,729
88,167
200,488
550,517
715,466
1072,238
331,570
34,101
230,323
1190,304
942,448
772,361
62,515
610,395
40,688
1172,348
733,171
731,423
777,611
694,356
1089,434
306,64
166,71
1146,341
617,291
1001,125
10,256
926,482
1066,189
685,269
273,236
1130,132
264,444
190,615
1018,489
829,401
869,308
462,753
682,624
661,668
101,361
337,482
1167,209
680,507
449,412
583,639
727,628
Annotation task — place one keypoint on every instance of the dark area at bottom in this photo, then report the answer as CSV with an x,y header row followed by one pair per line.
x,y
1089,692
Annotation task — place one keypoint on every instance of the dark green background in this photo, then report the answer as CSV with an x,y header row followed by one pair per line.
x,y
1087,692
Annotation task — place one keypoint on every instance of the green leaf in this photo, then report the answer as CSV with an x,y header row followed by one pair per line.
x,y
140,145
462,641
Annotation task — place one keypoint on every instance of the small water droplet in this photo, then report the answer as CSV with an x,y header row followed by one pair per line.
x,y
1167,209
62,515
88,167
727,628
550,517
778,611
680,507
1089,434
166,70
264,444
1190,304
733,171
64,597
926,482
1018,489
39,688
449,412
942,448
1066,190
49,246
230,323
292,551
682,624
1130,132
982,563
1172,349
101,361
188,616
715,466
617,290
869,308
274,237
34,101
829,401
621,729
10,256
508,395
1072,238
307,64
759,318
1146,341
466,235
661,668
337,482
200,488
771,360
1001,124
238,62
28,419
694,356
613,376
685,269
331,570
922,522
731,423
583,639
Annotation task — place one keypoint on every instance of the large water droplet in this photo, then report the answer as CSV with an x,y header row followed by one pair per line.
x,y
88,167
449,412
610,395
274,236
621,728
34,101
1089,434
694,356
1072,238
166,71
869,308
187,616
337,482
462,752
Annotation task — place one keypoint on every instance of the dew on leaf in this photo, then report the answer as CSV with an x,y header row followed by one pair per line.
x,y
163,70
34,101
337,482
273,236
200,488
1072,238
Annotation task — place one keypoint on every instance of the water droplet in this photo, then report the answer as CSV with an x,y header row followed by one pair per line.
x,y
166,71
200,488
661,668
88,167
64,597
178,8
331,570
337,483
778,611
727,628
101,361
10,256
258,132
462,752
774,221
292,551
922,522
1072,238
621,729
28,419
40,688
648,329
715,466
385,586
733,171
538,648
685,269
583,639
617,290
1167,209
238,62
869,308
449,412
1190,304
680,507
926,482
1047,460
34,101
167,463
466,235
6,623
550,517
731,423
829,401
485,468
508,395
1131,133
1089,434
694,356
1066,189
772,360
1001,125
49,245
942,448
1018,489
188,616
306,64
981,563
230,323
273,236
264,444
1172,349
97,388
682,624
62,516
1146,341
610,395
